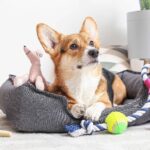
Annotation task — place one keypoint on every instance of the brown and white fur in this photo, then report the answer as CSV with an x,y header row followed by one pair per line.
x,y
79,74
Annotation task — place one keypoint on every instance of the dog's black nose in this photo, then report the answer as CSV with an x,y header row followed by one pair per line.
x,y
93,53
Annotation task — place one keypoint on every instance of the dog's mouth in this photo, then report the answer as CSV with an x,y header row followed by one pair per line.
x,y
93,62
89,63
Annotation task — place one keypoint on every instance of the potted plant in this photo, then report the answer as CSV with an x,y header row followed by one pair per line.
x,y
145,4
138,31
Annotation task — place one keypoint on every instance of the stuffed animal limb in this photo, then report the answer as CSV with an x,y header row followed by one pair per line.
x,y
35,75
4,133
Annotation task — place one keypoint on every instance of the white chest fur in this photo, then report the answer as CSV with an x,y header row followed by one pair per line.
x,y
83,85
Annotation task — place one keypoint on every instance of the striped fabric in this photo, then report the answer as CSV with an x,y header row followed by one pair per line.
x,y
114,59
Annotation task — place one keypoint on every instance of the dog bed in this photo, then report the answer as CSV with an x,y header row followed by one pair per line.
x,y
31,110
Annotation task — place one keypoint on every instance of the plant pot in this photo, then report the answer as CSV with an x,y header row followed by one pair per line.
x,y
138,31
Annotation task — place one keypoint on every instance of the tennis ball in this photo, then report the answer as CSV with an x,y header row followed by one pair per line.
x,y
116,122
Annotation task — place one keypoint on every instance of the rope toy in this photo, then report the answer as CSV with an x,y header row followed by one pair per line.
x,y
87,127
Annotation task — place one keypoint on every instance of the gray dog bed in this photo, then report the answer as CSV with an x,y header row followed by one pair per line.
x,y
31,110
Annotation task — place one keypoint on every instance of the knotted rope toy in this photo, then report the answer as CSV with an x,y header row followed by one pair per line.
x,y
87,127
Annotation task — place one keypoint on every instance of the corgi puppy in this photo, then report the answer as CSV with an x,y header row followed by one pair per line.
x,y
79,75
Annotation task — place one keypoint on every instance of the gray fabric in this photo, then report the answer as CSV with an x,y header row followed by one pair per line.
x,y
136,97
31,110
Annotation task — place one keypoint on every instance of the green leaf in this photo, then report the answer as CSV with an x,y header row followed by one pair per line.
x,y
145,4
142,4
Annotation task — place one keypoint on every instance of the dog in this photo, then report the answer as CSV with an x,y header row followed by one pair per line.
x,y
79,75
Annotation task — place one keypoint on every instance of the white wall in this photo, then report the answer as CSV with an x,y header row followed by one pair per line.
x,y
18,19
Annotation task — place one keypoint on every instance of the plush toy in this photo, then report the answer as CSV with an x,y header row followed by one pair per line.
x,y
35,75
116,122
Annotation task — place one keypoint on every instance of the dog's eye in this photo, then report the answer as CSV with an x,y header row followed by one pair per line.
x,y
73,46
91,43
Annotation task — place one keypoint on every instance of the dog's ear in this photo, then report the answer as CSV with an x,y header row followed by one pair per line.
x,y
90,27
48,37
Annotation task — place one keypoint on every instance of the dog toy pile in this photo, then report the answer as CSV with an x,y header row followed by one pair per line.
x,y
115,122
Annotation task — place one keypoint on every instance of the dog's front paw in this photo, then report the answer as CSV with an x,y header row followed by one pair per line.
x,y
78,110
94,112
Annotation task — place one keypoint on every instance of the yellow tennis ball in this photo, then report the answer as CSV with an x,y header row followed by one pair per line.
x,y
116,122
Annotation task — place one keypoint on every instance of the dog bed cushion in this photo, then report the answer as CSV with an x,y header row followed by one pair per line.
x,y
31,110
115,58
